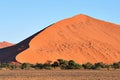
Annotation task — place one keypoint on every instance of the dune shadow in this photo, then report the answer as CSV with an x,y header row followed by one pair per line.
x,y
8,54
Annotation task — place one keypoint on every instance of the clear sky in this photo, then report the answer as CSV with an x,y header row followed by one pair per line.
x,y
20,19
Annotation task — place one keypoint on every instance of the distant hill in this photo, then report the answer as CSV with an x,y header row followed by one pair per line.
x,y
5,44
80,38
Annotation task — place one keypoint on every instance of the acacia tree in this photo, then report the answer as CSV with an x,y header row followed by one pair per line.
x,y
26,66
62,63
55,64
38,66
73,65
88,65
116,65
99,65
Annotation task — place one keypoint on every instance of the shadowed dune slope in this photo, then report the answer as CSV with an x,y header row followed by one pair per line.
x,y
8,54
80,38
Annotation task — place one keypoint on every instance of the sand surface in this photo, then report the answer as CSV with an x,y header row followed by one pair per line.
x,y
80,38
5,44
59,75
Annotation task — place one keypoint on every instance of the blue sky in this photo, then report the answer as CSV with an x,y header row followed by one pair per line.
x,y
20,19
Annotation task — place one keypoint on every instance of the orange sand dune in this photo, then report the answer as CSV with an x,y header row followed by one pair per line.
x,y
80,38
5,44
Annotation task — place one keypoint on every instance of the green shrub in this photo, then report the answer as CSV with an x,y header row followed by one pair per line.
x,y
99,65
47,66
73,65
88,65
62,63
26,66
8,66
38,66
116,65
55,64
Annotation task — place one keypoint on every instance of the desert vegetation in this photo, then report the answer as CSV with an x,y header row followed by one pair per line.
x,y
60,70
60,64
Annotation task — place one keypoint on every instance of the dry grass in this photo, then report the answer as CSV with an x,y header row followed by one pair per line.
x,y
59,75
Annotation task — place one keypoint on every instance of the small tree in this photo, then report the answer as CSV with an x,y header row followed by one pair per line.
x,y
99,65
88,65
55,64
13,67
5,65
62,63
8,66
38,66
72,65
116,65
26,66
47,65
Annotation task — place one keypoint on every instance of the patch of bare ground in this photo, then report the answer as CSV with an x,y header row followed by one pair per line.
x,y
59,74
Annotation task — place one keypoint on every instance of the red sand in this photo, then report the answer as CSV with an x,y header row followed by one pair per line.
x,y
80,38
5,44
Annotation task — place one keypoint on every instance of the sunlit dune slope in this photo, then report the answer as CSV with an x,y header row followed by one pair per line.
x,y
80,38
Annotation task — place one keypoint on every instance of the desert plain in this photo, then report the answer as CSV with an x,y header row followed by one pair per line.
x,y
59,74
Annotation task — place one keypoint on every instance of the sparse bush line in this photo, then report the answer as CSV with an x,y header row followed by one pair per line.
x,y
61,64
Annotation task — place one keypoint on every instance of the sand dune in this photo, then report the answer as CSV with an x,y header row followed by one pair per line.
x,y
80,38
5,44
